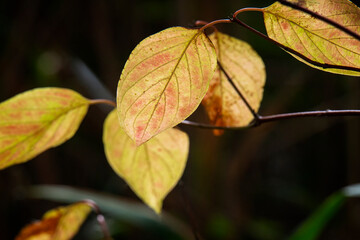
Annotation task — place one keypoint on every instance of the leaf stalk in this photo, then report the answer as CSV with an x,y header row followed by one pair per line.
x,y
211,24
103,101
100,218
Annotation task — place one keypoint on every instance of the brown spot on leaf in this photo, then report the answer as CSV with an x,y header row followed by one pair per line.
x,y
62,94
285,25
158,185
139,131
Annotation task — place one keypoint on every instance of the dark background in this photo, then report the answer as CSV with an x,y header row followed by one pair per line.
x,y
256,184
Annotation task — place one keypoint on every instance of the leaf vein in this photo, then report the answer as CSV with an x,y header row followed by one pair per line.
x,y
144,92
138,80
343,57
172,73
317,47
39,131
150,56
326,40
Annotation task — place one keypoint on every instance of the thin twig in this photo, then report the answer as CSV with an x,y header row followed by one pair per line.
x,y
100,218
290,50
248,9
200,23
256,116
320,17
278,117
321,113
209,126
210,24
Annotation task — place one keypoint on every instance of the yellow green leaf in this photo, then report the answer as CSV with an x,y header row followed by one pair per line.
x,y
152,169
315,39
246,69
164,81
37,120
57,224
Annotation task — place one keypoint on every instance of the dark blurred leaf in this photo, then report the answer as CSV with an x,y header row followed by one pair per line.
x,y
311,227
137,214
352,190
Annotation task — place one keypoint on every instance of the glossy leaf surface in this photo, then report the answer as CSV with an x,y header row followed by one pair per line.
x,y
246,69
164,81
37,120
58,224
315,39
152,169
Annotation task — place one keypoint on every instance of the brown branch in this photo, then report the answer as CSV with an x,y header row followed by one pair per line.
x,y
315,15
321,113
290,50
248,9
278,117
209,126
200,23
211,24
237,90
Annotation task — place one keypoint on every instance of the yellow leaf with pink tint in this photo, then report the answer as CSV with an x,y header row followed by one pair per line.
x,y
152,169
57,224
317,40
164,81
37,120
246,69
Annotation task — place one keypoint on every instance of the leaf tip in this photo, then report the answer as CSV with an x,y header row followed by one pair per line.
x,y
157,206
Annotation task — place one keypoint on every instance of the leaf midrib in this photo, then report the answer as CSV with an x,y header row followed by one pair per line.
x,y
42,128
306,30
170,77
